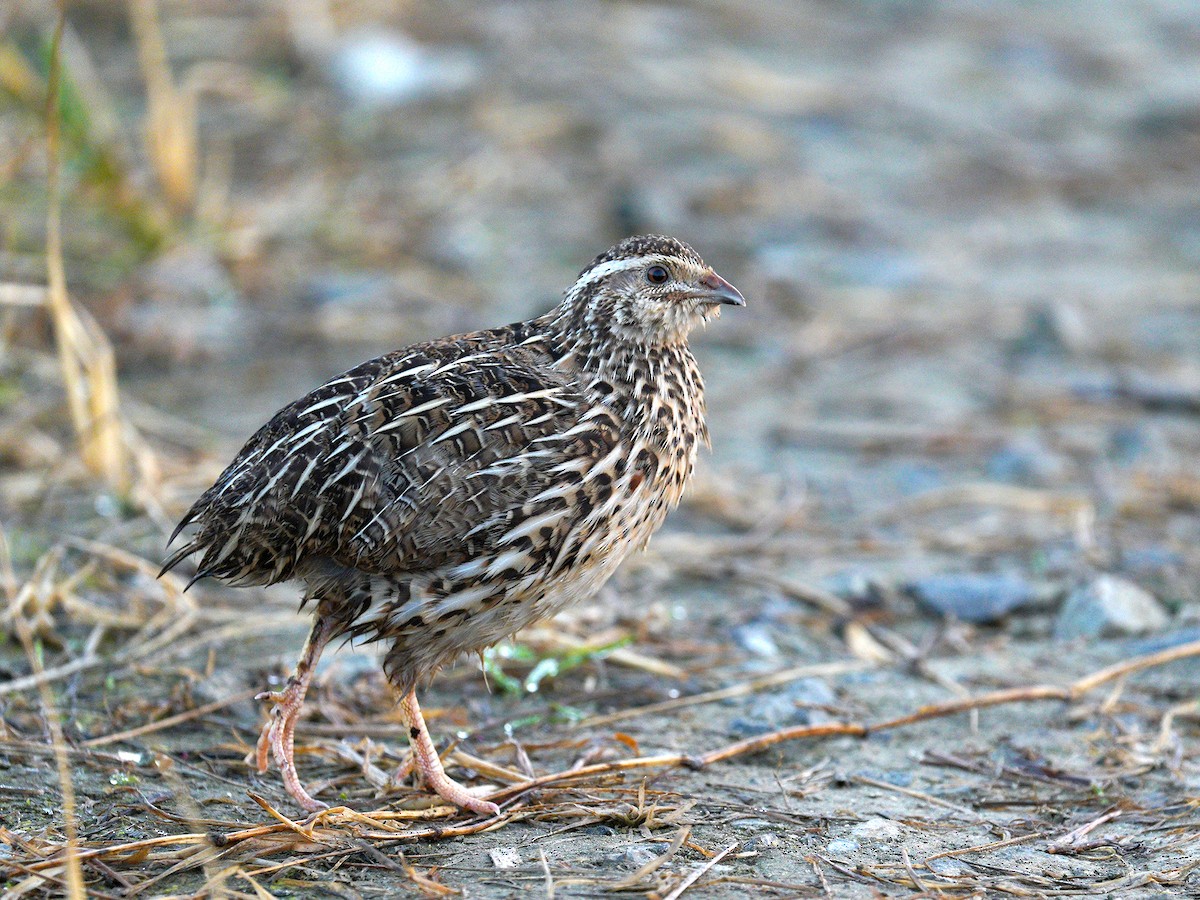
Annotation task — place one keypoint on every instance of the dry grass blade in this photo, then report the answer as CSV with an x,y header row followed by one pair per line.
x,y
698,873
159,630
88,366
71,862
171,117
170,721
633,881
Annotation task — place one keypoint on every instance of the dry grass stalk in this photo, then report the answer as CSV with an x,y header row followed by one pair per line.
x,y
698,873
88,366
71,861
170,114
156,629
634,880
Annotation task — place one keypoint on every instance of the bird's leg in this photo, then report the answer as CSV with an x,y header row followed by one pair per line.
x,y
429,764
278,734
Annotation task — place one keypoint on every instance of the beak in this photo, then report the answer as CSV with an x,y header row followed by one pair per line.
x,y
715,289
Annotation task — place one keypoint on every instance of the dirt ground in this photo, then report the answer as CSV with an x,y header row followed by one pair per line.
x,y
955,462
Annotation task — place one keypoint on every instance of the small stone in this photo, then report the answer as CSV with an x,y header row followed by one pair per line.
x,y
747,727
1052,329
751,823
756,638
841,847
505,857
877,829
633,856
1109,606
979,599
949,868
808,696
601,830
893,776
792,705
761,842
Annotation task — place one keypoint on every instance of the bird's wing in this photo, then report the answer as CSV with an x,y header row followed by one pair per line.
x,y
414,461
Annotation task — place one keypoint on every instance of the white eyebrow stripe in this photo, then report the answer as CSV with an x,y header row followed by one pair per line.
x,y
616,265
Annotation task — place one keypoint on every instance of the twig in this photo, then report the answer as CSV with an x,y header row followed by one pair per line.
x,y
546,872
912,873
1072,838
665,760
1119,670
918,795
987,848
762,742
169,721
966,704
741,689
696,874
170,113
634,879
74,867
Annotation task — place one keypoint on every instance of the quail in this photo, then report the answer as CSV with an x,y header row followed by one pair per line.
x,y
441,497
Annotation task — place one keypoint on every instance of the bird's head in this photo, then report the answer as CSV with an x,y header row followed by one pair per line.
x,y
653,289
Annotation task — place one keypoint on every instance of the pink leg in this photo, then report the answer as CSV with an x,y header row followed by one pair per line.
x,y
277,734
429,764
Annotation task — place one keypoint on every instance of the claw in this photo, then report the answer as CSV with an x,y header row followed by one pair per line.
x,y
278,734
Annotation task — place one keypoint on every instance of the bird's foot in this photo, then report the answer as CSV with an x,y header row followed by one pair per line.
x,y
278,734
403,771
426,761
443,785
278,738
285,710
451,791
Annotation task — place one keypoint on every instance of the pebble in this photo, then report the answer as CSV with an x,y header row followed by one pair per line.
x,y
1054,329
949,868
756,638
505,857
892,776
633,856
877,829
761,842
1133,443
841,847
978,599
1109,606
785,708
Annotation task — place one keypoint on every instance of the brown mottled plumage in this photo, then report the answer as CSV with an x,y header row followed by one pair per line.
x,y
441,497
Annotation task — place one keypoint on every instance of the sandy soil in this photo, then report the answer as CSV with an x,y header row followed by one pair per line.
x,y
969,238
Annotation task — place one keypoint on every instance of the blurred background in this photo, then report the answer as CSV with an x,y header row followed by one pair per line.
x,y
969,233
961,411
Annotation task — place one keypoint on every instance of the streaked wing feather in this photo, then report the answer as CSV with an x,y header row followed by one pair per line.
x,y
411,461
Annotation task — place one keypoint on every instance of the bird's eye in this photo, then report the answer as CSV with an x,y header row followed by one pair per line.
x,y
657,275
